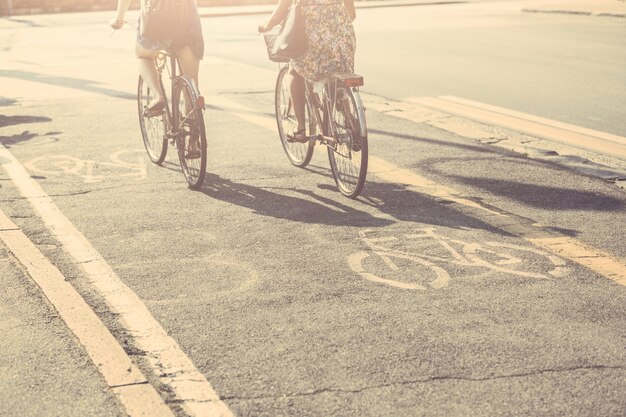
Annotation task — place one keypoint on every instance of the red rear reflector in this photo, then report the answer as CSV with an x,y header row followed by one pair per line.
x,y
350,80
353,82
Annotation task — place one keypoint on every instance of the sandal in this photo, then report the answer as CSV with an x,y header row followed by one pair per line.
x,y
154,109
298,136
194,151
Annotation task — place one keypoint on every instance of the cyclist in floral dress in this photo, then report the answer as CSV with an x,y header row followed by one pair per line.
x,y
331,46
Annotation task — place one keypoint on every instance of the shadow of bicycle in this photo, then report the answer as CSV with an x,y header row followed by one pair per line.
x,y
281,203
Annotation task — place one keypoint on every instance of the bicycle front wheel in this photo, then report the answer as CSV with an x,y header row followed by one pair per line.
x,y
299,154
152,128
191,136
348,155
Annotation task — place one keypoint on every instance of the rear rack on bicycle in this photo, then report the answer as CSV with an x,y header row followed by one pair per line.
x,y
350,80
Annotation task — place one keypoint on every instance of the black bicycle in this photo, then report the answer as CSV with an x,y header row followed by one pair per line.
x,y
335,117
181,123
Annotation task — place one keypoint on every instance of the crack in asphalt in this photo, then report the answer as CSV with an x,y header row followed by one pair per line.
x,y
88,191
12,200
130,384
425,380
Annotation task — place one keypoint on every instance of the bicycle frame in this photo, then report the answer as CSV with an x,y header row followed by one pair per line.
x,y
171,131
322,95
334,117
180,123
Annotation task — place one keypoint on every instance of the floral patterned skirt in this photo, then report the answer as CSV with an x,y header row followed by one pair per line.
x,y
331,40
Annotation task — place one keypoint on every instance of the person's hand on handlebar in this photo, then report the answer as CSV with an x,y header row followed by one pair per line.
x,y
116,24
264,27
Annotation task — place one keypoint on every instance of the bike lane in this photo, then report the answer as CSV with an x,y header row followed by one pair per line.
x,y
252,275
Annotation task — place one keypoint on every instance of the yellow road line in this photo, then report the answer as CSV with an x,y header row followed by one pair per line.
x,y
599,142
564,246
125,380
169,363
541,120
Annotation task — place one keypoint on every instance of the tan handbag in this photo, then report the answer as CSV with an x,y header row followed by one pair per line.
x,y
291,41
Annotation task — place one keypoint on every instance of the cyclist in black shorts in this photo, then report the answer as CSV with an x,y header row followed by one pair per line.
x,y
188,48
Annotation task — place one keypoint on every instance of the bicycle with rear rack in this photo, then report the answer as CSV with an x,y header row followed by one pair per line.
x,y
181,123
335,118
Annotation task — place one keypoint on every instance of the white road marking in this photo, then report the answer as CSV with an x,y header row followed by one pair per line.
x,y
92,171
575,136
169,363
124,378
541,120
469,254
565,246
355,262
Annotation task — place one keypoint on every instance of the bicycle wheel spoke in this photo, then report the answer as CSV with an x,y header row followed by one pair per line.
x,y
348,158
191,141
299,154
152,128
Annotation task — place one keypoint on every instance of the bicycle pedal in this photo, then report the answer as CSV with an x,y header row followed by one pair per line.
x,y
149,114
200,103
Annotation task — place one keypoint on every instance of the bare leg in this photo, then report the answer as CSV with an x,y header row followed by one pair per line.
x,y
148,71
296,86
189,63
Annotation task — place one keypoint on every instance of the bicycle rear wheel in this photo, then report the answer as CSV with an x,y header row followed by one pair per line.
x,y
152,128
189,123
348,156
299,154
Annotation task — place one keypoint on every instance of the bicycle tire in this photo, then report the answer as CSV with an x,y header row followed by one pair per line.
x,y
299,154
191,139
152,128
348,158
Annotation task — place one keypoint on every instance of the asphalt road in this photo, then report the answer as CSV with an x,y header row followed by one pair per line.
x,y
264,276
563,67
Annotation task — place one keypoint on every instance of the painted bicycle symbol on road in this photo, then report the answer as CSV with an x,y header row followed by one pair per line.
x,y
418,260
121,164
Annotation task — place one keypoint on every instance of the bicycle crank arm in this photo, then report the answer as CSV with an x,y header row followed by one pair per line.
x,y
326,140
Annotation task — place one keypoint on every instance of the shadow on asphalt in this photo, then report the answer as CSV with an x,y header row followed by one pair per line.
x,y
534,195
406,205
25,136
6,121
76,83
397,202
438,142
266,202
543,196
